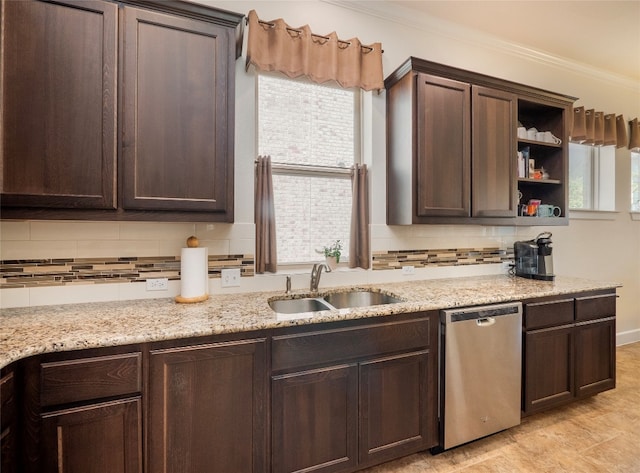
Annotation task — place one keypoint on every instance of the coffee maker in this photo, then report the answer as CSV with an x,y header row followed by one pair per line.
x,y
534,259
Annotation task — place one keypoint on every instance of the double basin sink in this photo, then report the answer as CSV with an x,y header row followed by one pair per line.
x,y
334,300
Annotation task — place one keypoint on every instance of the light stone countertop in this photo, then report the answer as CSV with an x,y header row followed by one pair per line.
x,y
34,330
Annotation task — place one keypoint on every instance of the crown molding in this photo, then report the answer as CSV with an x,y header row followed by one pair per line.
x,y
406,17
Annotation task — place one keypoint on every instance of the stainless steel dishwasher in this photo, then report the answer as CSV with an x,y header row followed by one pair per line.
x,y
482,366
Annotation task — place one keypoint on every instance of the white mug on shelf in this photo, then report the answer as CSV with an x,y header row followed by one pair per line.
x,y
531,133
541,136
551,138
522,132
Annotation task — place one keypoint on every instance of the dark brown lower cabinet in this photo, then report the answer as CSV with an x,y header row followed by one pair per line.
x,y
98,438
7,422
315,420
395,412
595,357
207,411
372,400
569,350
549,372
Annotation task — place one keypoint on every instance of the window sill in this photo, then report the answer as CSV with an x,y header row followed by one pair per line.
x,y
635,216
578,214
305,268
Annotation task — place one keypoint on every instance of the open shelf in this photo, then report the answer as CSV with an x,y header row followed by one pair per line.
x,y
540,181
538,143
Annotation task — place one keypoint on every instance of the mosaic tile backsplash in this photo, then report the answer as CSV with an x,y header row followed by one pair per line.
x,y
58,272
439,257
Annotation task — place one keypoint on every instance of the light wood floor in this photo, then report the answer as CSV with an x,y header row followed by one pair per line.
x,y
600,434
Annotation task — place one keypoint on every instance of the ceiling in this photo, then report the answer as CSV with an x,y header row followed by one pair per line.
x,y
604,34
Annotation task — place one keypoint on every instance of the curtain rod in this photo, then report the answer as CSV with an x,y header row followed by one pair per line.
x,y
295,30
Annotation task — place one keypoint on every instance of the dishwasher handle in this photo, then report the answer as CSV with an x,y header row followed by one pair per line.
x,y
485,322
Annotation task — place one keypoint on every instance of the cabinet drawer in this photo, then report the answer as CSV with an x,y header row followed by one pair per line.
x,y
329,346
595,307
90,378
548,314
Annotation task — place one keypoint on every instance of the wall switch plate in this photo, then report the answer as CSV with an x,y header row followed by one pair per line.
x,y
158,284
230,277
408,270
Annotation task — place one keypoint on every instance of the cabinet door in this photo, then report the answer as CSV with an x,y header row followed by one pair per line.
x,y
493,153
7,423
443,154
58,145
315,420
99,438
207,408
177,126
548,370
397,407
595,357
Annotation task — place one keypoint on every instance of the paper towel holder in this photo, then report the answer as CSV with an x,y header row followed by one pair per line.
x,y
192,242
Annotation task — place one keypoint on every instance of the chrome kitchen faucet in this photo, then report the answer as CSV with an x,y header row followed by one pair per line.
x,y
316,272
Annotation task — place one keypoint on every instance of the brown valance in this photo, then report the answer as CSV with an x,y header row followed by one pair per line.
x,y
275,46
598,128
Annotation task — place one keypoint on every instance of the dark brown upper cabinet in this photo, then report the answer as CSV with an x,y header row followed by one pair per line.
x,y
493,157
443,154
118,110
59,104
176,116
452,147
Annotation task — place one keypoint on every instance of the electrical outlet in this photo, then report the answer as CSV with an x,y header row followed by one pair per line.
x,y
230,277
408,270
158,284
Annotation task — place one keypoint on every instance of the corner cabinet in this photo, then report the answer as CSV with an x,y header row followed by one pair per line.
x,y
83,412
452,147
8,421
118,110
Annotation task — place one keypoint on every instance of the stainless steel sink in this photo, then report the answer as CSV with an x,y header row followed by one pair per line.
x,y
336,300
359,298
297,306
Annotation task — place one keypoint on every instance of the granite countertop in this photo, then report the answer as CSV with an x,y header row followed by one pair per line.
x,y
34,330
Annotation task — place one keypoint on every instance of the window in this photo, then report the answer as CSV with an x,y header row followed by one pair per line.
x,y
635,181
591,177
311,132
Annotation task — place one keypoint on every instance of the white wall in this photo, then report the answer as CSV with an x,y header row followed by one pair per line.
x,y
608,250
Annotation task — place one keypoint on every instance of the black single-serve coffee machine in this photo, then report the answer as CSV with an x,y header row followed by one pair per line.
x,y
534,259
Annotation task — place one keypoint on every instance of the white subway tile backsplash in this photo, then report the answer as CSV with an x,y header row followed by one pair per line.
x,y
27,249
73,231
138,290
10,230
156,231
245,246
116,248
53,295
14,297
225,231
216,247
171,247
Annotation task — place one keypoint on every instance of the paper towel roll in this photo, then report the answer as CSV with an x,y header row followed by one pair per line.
x,y
194,277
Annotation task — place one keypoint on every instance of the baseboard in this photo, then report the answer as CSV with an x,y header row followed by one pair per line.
x,y
630,336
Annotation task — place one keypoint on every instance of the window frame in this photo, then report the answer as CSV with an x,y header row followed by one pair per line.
x,y
635,156
602,184
308,170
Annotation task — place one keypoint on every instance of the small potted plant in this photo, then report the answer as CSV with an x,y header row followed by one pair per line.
x,y
332,253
